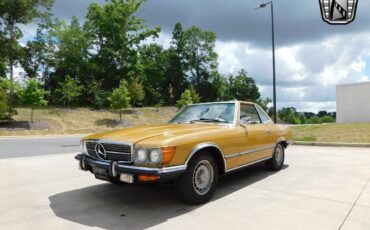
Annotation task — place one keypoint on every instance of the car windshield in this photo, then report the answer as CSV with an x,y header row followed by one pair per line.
x,y
213,112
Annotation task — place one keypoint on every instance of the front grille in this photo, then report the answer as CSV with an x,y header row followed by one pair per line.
x,y
114,151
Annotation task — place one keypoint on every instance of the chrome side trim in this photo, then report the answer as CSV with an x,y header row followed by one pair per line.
x,y
248,164
248,152
202,146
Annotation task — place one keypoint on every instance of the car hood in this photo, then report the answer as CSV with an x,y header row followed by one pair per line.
x,y
140,133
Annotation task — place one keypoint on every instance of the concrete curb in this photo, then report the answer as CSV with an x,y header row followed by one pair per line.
x,y
333,144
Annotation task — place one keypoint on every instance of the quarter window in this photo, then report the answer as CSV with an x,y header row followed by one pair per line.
x,y
263,115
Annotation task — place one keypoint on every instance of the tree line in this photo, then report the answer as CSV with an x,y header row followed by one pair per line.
x,y
291,116
85,63
110,60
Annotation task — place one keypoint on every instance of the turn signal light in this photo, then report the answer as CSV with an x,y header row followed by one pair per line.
x,y
168,153
147,178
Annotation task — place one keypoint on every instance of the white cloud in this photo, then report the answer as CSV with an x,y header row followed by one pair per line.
x,y
306,73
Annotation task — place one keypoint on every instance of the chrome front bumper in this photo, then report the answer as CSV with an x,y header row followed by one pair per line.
x,y
114,168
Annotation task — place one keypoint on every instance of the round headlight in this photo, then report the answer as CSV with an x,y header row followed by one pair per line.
x,y
83,148
155,156
141,155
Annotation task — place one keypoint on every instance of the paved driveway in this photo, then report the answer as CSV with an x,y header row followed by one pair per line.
x,y
319,188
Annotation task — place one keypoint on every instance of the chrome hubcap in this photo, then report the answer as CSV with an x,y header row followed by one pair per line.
x,y
279,154
203,177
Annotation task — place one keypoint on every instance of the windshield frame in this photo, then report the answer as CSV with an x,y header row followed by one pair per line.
x,y
208,103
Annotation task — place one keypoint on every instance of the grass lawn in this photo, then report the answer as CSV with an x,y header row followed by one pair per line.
x,y
348,133
85,120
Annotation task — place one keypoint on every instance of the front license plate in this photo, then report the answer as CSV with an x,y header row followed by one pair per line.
x,y
128,178
102,174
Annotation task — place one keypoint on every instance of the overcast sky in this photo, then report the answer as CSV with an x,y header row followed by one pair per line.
x,y
312,56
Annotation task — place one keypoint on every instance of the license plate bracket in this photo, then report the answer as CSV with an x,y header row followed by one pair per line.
x,y
100,173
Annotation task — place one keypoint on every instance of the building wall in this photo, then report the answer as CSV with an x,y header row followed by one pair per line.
x,y
353,102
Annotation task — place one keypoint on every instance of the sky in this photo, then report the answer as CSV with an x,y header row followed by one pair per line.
x,y
312,57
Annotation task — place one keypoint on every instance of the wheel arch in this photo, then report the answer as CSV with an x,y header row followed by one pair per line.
x,y
214,149
282,141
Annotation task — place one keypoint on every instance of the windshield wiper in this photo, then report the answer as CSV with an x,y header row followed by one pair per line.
x,y
219,120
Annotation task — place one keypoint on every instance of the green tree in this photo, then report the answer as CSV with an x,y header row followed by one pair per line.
x,y
136,91
242,87
322,114
120,98
117,33
175,68
314,120
69,90
327,119
70,46
185,99
12,14
34,95
97,96
264,103
153,63
6,112
289,115
195,98
200,57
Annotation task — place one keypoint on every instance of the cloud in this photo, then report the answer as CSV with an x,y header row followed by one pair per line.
x,y
306,73
236,20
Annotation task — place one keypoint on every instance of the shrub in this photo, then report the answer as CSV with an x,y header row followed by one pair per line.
x,y
185,99
120,98
33,95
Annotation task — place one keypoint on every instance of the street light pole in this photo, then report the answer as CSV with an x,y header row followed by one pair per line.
x,y
273,53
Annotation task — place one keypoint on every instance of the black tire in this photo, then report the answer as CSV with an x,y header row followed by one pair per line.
x,y
276,162
186,187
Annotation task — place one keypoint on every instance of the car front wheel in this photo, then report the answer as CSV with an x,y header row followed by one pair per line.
x,y
277,160
198,183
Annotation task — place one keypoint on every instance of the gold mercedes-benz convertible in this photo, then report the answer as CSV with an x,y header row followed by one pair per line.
x,y
200,144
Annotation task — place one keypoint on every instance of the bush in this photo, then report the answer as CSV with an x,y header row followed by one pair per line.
x,y
68,90
314,120
34,95
185,99
327,119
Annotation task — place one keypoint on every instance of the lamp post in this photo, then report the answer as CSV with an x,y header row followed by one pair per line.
x,y
263,5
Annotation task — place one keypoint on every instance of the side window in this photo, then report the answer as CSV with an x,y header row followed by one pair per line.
x,y
263,115
248,114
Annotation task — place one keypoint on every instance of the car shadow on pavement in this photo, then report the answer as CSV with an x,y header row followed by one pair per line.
x,y
127,206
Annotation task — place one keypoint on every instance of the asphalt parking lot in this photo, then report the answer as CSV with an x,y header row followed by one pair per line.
x,y
319,188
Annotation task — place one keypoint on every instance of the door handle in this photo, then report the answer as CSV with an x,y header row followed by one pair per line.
x,y
268,131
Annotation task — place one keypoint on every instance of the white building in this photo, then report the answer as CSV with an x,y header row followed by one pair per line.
x,y
353,102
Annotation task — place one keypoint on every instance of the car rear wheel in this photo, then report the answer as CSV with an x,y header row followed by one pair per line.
x,y
198,183
277,160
